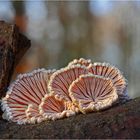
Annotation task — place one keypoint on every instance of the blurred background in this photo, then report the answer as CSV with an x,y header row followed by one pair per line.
x,y
100,30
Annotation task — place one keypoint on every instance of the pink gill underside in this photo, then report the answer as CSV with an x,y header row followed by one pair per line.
x,y
53,109
91,89
27,90
52,105
61,82
112,73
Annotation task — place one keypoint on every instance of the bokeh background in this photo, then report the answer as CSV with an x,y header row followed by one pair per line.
x,y
101,30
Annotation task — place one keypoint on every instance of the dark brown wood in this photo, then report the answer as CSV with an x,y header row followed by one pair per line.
x,y
13,45
121,121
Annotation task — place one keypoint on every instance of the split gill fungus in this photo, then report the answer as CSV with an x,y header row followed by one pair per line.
x,y
80,87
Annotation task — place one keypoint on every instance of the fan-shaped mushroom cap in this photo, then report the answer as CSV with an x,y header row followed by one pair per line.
x,y
108,71
91,92
81,61
24,96
61,80
52,108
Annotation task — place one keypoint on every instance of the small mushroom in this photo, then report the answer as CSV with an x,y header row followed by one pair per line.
x,y
52,108
24,96
108,71
92,93
62,79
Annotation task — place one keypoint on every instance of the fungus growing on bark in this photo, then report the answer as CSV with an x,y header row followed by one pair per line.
x,y
91,93
62,79
52,108
24,96
50,95
108,71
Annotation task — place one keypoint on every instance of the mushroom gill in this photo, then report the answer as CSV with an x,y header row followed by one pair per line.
x,y
108,71
52,108
50,94
24,96
91,93
62,79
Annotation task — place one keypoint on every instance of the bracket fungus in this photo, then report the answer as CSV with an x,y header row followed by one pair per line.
x,y
52,108
109,71
54,94
92,92
62,79
24,96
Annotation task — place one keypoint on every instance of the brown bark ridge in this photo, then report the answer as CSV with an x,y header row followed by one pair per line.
x,y
121,121
13,45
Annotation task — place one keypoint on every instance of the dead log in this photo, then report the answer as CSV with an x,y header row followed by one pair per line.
x,y
13,45
121,121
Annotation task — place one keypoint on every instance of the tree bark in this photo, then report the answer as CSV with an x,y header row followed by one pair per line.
x,y
121,121
13,45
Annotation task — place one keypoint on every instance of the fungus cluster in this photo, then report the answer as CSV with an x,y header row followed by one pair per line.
x,y
82,86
